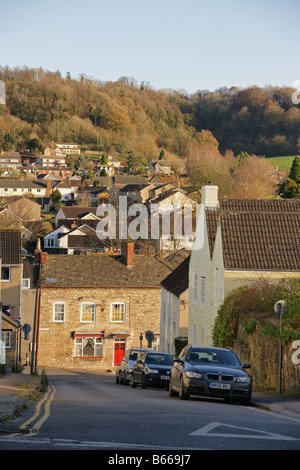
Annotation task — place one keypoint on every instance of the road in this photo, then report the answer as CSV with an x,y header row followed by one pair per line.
x,y
88,411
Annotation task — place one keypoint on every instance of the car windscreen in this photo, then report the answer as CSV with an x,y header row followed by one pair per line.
x,y
159,359
213,356
134,355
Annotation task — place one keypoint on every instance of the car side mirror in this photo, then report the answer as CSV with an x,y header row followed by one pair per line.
x,y
246,366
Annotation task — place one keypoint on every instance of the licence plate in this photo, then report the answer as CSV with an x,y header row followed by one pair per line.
x,y
165,377
220,386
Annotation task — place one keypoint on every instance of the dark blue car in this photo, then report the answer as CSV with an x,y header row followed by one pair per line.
x,y
152,369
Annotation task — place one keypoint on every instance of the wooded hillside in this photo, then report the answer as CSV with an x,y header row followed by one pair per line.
x,y
132,117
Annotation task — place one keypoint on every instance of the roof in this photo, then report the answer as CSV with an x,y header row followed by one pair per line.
x,y
177,281
72,212
258,234
10,246
107,271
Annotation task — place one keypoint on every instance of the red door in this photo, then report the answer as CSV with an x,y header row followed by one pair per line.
x,y
119,352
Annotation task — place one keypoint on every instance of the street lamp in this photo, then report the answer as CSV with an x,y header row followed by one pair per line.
x,y
36,310
279,309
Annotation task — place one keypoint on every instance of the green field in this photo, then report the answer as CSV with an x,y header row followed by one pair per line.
x,y
283,163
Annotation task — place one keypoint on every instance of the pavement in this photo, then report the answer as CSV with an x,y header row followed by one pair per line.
x,y
17,390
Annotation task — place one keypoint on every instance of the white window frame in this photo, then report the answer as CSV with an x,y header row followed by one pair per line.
x,y
55,320
6,338
79,346
216,285
194,291
112,313
83,313
202,291
26,283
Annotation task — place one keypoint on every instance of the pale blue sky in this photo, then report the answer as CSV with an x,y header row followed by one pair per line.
x,y
186,44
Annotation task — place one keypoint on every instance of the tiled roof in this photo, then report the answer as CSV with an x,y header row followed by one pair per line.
x,y
178,281
72,212
10,246
258,234
104,271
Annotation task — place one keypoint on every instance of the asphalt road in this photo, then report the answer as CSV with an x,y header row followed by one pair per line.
x,y
86,411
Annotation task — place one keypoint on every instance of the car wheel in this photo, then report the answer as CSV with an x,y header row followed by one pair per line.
x,y
121,380
171,391
117,378
183,395
144,383
133,383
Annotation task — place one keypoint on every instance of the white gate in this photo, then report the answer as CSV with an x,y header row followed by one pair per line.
x,y
2,353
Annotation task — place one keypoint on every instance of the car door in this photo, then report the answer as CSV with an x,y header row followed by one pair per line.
x,y
177,369
138,368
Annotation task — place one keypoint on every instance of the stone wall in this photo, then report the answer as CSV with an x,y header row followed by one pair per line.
x,y
56,339
262,353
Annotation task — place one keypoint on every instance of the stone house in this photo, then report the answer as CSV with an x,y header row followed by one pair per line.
x,y
236,243
98,307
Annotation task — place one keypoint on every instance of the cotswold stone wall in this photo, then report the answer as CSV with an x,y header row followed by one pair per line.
x,y
262,353
56,345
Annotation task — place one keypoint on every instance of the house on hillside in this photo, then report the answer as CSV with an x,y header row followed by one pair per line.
x,y
99,307
160,166
174,307
72,240
237,242
73,213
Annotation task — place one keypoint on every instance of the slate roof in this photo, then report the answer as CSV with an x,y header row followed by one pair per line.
x,y
73,212
177,281
10,246
104,271
258,234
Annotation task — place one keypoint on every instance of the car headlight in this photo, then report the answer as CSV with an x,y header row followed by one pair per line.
x,y
151,371
243,379
193,375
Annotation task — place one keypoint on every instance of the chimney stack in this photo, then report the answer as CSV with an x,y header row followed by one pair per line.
x,y
127,250
210,196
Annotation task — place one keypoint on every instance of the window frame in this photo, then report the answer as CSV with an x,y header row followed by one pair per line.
x,y
9,273
57,302
112,313
84,313
79,344
7,343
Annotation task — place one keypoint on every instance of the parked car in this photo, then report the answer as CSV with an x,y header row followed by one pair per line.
x,y
152,368
210,372
124,371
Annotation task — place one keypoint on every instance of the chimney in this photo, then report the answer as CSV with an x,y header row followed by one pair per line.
x,y
48,193
39,256
127,250
210,196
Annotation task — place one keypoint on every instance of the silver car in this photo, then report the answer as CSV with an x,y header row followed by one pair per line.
x,y
124,371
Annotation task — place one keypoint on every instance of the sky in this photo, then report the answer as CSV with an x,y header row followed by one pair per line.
x,y
186,45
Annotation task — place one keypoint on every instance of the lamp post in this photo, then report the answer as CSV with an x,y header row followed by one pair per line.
x,y
279,309
34,333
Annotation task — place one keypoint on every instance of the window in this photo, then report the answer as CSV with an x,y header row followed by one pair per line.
x,y
5,273
6,337
117,312
90,346
195,288
88,312
202,291
216,286
26,283
59,310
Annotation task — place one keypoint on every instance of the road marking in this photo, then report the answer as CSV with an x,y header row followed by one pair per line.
x,y
48,399
255,433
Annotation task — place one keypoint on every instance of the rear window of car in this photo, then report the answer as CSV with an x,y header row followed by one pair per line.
x,y
134,355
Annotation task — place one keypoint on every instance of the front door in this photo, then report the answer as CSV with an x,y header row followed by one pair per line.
x,y
118,352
